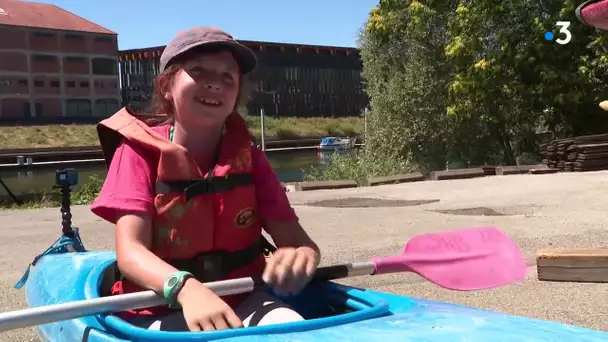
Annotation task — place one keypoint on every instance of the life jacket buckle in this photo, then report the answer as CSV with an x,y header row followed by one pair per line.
x,y
203,186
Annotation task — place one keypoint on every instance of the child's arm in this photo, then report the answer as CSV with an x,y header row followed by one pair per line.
x,y
126,200
290,234
278,217
294,263
135,260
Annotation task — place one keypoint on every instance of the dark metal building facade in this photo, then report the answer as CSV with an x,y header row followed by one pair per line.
x,y
291,80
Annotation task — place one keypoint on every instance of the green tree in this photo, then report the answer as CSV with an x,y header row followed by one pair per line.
x,y
473,80
406,76
509,80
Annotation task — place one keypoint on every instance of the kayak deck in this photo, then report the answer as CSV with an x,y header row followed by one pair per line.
x,y
333,312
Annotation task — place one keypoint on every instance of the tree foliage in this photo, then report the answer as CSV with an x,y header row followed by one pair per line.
x,y
473,81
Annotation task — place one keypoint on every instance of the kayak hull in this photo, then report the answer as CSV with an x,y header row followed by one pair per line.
x,y
366,315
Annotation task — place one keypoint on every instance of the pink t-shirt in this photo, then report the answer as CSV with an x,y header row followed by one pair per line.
x,y
129,184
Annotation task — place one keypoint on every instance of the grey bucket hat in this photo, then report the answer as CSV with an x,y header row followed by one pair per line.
x,y
195,37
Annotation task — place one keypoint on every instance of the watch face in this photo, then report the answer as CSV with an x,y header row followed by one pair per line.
x,y
172,281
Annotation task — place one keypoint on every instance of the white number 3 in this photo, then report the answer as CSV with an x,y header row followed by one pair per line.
x,y
563,28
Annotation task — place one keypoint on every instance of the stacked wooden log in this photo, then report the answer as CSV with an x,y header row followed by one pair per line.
x,y
582,153
555,155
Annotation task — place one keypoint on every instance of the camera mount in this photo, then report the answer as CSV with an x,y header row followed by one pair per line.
x,y
64,180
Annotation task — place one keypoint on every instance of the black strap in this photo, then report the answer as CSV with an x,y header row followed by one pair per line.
x,y
210,185
215,265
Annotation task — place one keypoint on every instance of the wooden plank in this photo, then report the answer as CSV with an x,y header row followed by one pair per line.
x,y
489,170
457,174
516,169
410,177
324,185
543,171
573,264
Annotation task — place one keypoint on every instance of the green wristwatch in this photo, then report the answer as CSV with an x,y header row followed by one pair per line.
x,y
173,285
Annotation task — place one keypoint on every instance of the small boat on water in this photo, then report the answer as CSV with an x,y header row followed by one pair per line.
x,y
336,144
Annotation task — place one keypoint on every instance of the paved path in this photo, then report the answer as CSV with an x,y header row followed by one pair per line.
x,y
540,211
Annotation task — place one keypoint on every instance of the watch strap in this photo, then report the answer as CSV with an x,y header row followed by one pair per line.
x,y
173,285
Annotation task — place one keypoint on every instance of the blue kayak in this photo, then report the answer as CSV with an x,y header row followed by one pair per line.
x,y
334,312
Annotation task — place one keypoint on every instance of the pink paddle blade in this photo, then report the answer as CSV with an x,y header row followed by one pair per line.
x,y
593,13
466,259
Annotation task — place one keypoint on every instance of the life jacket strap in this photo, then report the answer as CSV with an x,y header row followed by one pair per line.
x,y
216,265
203,186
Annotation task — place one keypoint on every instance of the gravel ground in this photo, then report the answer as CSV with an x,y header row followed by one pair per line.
x,y
538,211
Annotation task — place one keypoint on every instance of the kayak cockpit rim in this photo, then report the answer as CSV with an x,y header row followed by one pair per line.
x,y
357,304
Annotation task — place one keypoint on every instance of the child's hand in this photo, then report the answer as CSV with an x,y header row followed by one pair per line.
x,y
204,310
289,270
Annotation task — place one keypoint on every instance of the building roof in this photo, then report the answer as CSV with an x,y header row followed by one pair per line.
x,y
156,51
48,16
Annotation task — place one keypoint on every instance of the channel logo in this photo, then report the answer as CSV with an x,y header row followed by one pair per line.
x,y
564,36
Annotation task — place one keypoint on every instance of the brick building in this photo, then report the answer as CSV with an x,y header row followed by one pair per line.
x,y
55,65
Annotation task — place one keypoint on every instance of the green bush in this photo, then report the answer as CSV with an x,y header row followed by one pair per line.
x,y
358,166
89,191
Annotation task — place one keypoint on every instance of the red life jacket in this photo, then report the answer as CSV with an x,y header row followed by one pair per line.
x,y
198,215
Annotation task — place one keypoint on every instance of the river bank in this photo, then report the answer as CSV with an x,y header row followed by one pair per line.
x,y
33,185
78,135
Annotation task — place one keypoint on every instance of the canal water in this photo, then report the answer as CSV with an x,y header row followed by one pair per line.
x,y
288,166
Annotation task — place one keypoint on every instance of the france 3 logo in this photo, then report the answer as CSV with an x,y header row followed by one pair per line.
x,y
564,36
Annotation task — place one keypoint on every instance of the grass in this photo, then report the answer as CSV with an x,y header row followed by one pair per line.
x,y
86,135
85,195
293,128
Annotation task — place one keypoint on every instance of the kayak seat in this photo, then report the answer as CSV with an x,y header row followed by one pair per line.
x,y
109,277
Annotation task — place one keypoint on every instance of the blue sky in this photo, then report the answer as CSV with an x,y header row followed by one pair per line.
x,y
141,23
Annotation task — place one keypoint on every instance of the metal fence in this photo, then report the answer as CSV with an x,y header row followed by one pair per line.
x,y
291,80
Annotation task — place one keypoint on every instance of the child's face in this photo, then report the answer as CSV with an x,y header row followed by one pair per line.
x,y
204,91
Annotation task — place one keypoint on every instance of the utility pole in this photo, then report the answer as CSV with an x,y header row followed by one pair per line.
x,y
263,124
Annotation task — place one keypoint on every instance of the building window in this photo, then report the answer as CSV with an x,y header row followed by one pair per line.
x,y
26,109
84,84
103,39
38,110
5,83
22,83
73,59
78,108
38,84
54,84
72,36
45,58
104,66
106,107
70,84
44,34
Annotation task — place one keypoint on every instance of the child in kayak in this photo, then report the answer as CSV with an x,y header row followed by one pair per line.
x,y
189,195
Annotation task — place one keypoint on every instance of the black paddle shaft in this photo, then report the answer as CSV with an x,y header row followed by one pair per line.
x,y
325,273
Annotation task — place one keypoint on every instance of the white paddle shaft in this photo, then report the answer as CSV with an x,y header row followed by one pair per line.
x,y
145,299
138,300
